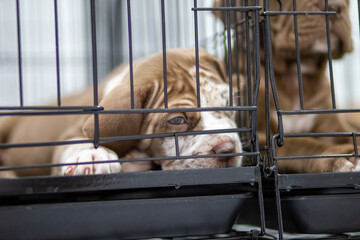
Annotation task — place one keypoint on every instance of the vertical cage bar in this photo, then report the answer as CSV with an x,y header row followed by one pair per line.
x,y
248,54
252,19
163,33
132,102
229,54
244,61
254,126
278,204
243,55
236,47
249,75
280,141
223,17
261,207
177,152
257,69
19,52
197,55
355,144
298,65
277,106
95,73
57,53
359,14
267,104
331,74
277,193
257,62
277,190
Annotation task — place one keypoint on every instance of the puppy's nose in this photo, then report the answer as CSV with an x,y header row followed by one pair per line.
x,y
225,145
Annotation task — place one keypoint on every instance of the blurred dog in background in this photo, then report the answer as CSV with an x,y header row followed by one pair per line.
x,y
313,50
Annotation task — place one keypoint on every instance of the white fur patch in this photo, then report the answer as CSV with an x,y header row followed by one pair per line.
x,y
298,123
321,46
343,165
116,81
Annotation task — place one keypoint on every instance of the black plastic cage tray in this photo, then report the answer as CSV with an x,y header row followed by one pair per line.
x,y
310,211
124,206
161,217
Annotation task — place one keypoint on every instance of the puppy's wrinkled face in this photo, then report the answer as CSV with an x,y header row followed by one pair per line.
x,y
312,28
182,94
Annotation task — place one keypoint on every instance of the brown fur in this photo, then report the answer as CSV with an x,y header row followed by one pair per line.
x,y
148,74
313,53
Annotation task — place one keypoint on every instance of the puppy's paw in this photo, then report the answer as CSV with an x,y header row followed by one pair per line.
x,y
346,165
83,155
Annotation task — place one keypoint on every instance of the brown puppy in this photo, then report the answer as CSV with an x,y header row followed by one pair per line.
x,y
316,88
114,94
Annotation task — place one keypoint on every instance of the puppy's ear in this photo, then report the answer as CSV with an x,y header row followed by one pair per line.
x,y
114,125
212,64
219,67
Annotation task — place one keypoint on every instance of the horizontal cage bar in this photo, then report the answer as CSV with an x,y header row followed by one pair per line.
x,y
276,13
124,138
99,110
174,158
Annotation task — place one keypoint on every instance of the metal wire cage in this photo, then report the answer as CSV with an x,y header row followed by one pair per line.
x,y
298,90
259,42
186,202
320,193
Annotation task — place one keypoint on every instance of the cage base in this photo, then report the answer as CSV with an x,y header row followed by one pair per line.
x,y
122,219
310,211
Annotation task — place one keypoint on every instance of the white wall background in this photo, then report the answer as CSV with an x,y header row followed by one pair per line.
x,y
347,70
38,44
38,41
38,50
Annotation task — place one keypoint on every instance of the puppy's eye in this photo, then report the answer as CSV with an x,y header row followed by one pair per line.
x,y
177,121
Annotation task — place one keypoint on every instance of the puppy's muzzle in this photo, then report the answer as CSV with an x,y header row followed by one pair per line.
x,y
223,145
214,146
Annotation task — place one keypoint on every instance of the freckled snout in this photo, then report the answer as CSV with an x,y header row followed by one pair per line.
x,y
211,145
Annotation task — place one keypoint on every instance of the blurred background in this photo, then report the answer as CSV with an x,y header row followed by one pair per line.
x,y
37,24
